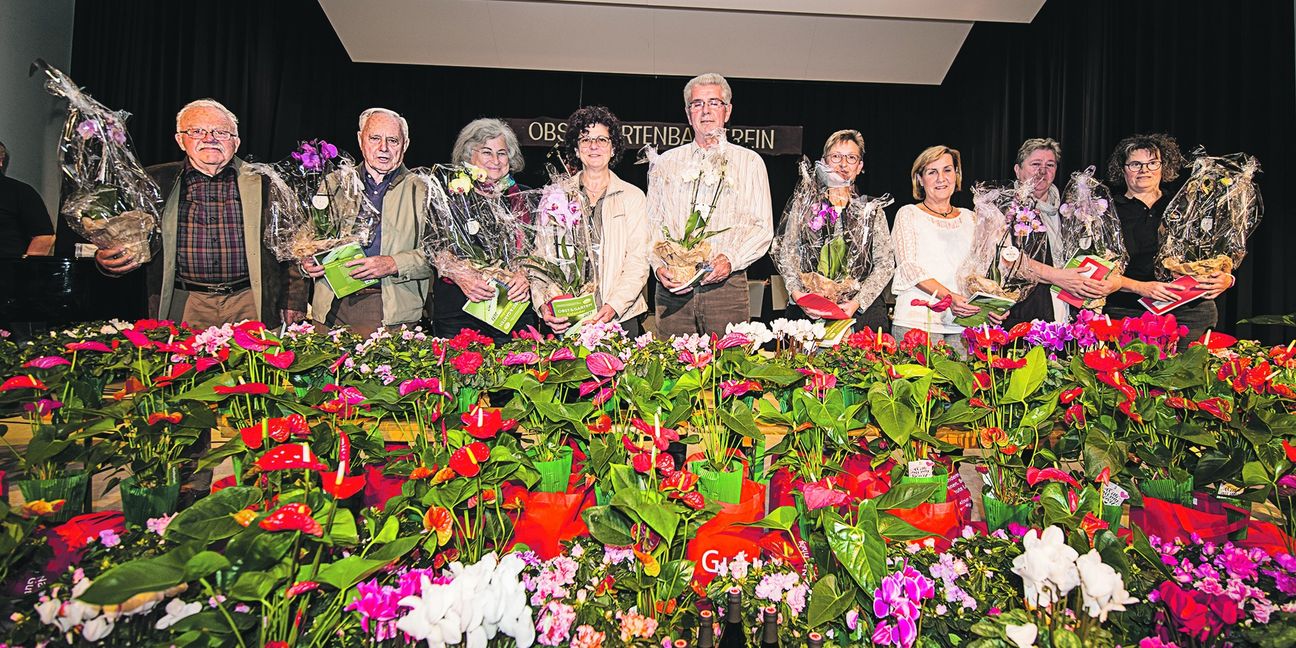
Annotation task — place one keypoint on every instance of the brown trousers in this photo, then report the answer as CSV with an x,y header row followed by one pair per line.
x,y
361,312
203,310
706,309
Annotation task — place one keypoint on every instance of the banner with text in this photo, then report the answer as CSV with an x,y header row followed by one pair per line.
x,y
766,140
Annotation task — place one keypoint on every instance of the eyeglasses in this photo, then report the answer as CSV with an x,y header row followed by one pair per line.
x,y
715,104
594,142
220,134
1150,165
838,158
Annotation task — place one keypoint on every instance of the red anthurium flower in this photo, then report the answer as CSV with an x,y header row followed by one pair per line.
x,y
563,353
292,456
1105,329
1092,524
351,395
937,306
1019,331
341,486
138,339
22,382
1128,408
292,517
88,345
1067,396
987,337
666,464
695,361
691,499
977,402
603,395
204,363
1214,340
1290,450
1117,380
1008,364
344,450
300,588
182,348
337,364
281,360
821,494
1074,415
177,370
681,480
467,460
819,382
590,386
170,417
1218,407
245,388
247,340
1180,402
732,388
913,339
642,461
131,386
483,424
981,379
603,364
993,437
524,358
42,407
732,340
1108,360
46,362
438,520
1104,476
1036,475
661,436
601,425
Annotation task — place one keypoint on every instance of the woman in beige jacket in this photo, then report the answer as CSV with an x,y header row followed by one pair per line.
x,y
618,212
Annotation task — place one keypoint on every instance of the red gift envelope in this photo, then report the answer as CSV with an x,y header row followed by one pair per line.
x,y
811,301
1188,291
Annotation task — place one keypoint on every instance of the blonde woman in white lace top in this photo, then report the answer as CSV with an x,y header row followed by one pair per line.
x,y
932,238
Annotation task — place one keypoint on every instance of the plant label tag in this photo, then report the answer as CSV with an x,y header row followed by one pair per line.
x,y
1113,495
921,468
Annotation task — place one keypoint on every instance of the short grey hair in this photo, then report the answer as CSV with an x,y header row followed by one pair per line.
x,y
841,137
404,125
710,78
207,103
1039,143
477,132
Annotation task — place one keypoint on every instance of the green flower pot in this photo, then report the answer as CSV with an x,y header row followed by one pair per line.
x,y
71,489
721,485
999,514
1170,490
140,504
941,479
555,474
465,398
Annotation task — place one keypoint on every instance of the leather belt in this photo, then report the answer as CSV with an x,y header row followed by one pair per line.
x,y
367,290
214,289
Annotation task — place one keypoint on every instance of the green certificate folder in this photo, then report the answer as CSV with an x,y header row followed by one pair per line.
x,y
499,312
989,304
574,309
337,274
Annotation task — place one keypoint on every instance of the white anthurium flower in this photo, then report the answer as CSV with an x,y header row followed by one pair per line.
x,y
1103,588
177,610
1047,567
96,629
1023,636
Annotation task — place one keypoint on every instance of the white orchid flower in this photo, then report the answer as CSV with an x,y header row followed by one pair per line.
x,y
1103,588
1023,636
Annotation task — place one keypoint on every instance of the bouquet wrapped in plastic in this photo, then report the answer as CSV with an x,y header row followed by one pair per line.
x,y
1009,231
109,199
1090,233
1207,223
472,228
565,259
686,254
317,202
825,246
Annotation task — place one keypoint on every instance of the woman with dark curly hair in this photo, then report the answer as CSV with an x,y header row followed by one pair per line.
x,y
618,213
1142,164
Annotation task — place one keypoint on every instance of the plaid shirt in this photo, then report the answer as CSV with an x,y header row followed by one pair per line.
x,y
210,247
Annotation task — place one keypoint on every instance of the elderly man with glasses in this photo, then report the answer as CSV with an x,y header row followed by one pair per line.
x,y
728,188
214,267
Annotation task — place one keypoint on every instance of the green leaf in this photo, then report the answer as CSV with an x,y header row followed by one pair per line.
x,y
781,518
608,525
254,586
212,517
859,548
738,418
649,509
203,564
827,602
139,576
390,529
674,577
906,495
1063,638
957,373
347,572
1027,380
892,411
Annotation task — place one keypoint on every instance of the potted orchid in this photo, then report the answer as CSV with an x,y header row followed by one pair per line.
x,y
564,262
686,254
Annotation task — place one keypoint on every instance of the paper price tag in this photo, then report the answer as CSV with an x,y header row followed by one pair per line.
x,y
921,468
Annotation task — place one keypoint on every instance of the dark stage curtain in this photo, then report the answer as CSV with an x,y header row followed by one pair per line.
x,y
1085,73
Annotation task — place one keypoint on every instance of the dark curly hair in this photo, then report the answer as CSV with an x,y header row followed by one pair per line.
x,y
591,116
1161,144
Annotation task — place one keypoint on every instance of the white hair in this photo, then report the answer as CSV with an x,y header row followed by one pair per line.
x,y
207,103
404,125
710,78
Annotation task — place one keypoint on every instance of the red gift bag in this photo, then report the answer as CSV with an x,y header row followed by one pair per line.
x,y
1210,519
724,537
1267,536
942,521
547,520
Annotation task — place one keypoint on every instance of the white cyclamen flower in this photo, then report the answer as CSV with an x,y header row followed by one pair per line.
x,y
176,610
97,629
430,617
1023,636
1103,589
1047,567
